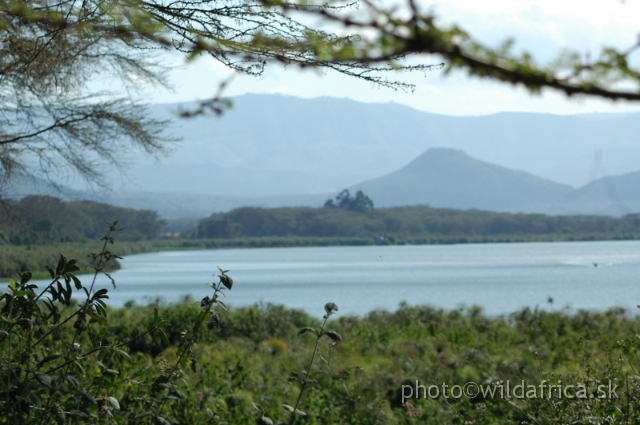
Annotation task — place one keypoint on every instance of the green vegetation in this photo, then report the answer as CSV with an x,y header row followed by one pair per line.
x,y
413,225
36,229
250,357
45,219
359,203
66,361
39,228
70,362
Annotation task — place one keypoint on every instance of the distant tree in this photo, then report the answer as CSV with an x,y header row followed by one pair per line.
x,y
359,203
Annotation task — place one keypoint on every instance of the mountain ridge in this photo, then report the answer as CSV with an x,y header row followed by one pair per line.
x,y
325,144
449,178
439,177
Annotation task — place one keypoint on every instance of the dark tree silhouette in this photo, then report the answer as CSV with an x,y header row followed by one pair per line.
x,y
359,203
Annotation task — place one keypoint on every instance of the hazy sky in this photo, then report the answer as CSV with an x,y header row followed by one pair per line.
x,y
542,27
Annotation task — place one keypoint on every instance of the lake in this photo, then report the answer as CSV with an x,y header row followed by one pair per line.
x,y
501,278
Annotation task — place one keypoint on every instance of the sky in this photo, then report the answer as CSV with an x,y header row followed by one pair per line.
x,y
542,27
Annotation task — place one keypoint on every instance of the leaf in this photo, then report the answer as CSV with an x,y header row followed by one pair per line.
x,y
164,337
24,322
61,263
101,293
333,335
76,281
91,399
257,406
47,359
34,399
80,368
222,304
71,266
123,353
226,281
297,411
43,379
264,421
72,379
25,278
162,420
330,308
144,414
307,329
113,402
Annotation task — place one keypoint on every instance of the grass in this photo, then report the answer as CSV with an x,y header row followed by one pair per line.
x,y
250,357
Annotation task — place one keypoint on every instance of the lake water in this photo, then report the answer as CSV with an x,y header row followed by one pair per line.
x,y
501,278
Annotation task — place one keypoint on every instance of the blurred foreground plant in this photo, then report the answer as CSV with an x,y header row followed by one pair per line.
x,y
59,363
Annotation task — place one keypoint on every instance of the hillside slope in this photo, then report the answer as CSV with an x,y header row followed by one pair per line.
x,y
449,178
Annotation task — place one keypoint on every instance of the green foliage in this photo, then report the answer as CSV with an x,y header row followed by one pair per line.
x,y
359,203
45,219
413,225
60,364
71,360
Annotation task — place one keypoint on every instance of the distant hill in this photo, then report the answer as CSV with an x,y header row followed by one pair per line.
x,y
449,178
20,186
611,195
196,205
439,177
274,150
280,145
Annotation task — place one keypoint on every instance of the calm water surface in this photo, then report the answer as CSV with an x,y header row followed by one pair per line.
x,y
501,278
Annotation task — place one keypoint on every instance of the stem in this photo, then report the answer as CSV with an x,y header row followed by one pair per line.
x,y
197,325
87,303
62,323
99,265
56,279
308,372
346,389
103,347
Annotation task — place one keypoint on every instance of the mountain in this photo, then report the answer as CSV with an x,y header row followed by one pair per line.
x,y
193,205
166,204
274,150
449,178
272,145
22,185
610,195
439,177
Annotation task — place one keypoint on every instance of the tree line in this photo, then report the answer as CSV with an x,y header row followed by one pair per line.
x,y
49,219
45,219
415,221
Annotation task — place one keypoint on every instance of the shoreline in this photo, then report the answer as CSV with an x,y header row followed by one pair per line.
x,y
35,258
